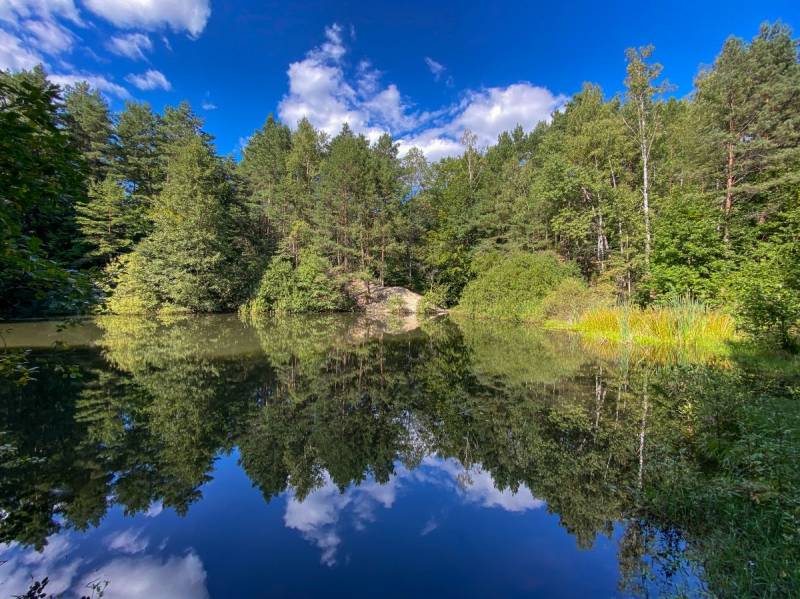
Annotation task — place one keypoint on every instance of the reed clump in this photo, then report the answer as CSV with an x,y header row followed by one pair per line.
x,y
684,323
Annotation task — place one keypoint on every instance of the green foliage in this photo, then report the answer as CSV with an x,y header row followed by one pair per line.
x,y
196,259
88,122
688,251
432,301
766,294
512,286
396,306
41,178
104,220
570,299
734,488
286,289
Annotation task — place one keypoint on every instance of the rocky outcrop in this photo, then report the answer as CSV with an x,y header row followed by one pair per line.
x,y
376,300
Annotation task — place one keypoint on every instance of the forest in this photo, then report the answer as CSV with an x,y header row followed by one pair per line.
x,y
645,201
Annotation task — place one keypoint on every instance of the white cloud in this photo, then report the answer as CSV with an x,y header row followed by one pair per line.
x,y
429,527
13,11
14,54
497,109
96,81
132,45
319,90
149,80
436,68
48,36
322,90
147,577
154,510
190,16
206,105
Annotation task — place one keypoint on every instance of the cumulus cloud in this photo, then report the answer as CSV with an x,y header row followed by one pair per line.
x,y
149,80
190,16
207,105
477,486
494,110
131,45
323,90
154,510
96,81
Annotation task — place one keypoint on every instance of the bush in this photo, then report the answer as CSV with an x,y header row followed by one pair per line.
x,y
570,300
396,306
287,290
766,297
432,301
512,286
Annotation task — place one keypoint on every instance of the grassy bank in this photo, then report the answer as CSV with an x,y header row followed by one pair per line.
x,y
683,324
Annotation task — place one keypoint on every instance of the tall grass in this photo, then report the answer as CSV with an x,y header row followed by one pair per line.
x,y
685,324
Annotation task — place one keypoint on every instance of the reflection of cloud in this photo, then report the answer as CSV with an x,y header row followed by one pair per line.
x,y
318,515
148,577
429,527
477,486
23,566
128,577
155,509
127,541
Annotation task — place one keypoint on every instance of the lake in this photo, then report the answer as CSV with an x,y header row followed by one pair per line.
x,y
201,456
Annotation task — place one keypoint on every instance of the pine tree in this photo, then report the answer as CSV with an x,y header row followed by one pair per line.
x,y
137,163
750,107
104,221
89,124
196,259
264,166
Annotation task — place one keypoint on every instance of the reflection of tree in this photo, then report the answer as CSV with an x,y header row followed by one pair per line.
x,y
600,440
49,467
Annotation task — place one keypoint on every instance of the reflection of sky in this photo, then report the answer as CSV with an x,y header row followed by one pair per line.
x,y
120,559
322,514
449,531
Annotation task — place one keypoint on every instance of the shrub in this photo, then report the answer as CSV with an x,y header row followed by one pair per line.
x,y
432,301
287,290
512,286
570,300
396,306
766,297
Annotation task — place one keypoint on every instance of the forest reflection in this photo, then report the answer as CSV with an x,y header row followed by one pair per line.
x,y
326,405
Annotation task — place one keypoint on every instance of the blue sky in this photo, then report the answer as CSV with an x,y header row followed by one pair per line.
x,y
423,71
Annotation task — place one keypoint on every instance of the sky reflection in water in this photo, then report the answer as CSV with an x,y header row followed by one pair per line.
x,y
200,457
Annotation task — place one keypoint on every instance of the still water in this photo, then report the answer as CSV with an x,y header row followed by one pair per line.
x,y
200,456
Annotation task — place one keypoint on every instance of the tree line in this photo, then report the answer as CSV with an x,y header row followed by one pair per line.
x,y
651,196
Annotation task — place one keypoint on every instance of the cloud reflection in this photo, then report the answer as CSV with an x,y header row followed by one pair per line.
x,y
321,516
317,516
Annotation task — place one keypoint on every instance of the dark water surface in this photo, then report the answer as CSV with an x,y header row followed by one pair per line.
x,y
198,456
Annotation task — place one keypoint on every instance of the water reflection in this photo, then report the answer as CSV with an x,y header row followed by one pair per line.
x,y
342,421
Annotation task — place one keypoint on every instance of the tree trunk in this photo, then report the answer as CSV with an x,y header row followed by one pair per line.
x,y
728,193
